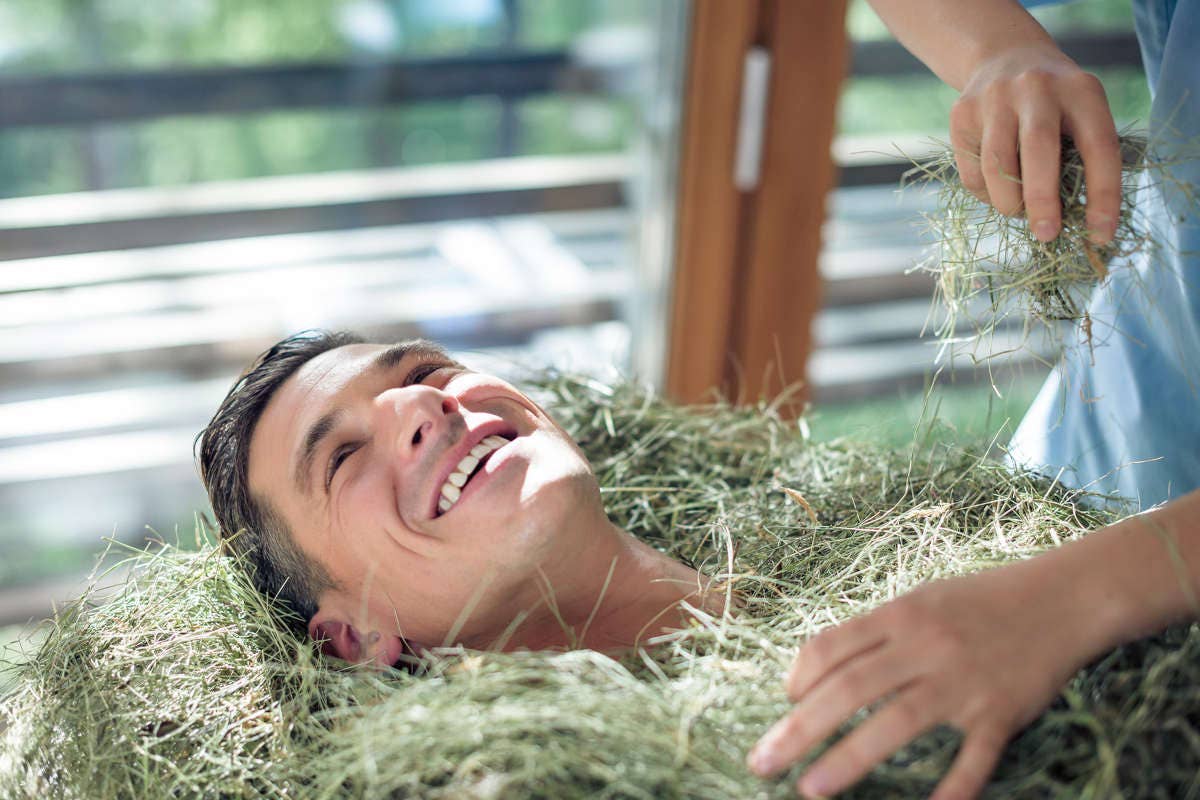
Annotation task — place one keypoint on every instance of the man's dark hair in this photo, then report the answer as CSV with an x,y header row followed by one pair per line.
x,y
250,527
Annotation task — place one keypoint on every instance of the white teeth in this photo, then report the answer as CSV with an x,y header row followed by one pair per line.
x,y
452,488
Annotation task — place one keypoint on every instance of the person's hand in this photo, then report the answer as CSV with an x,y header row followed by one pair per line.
x,y
1006,130
983,653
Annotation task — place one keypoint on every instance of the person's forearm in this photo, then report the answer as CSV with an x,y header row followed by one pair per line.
x,y
953,37
1137,576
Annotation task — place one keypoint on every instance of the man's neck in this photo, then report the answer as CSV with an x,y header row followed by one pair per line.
x,y
617,593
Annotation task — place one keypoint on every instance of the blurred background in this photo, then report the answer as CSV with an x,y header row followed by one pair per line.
x,y
184,183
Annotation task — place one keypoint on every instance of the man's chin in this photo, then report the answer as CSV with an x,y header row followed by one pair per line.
x,y
549,516
541,492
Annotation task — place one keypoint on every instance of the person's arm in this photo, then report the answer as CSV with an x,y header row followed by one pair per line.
x,y
1019,94
984,653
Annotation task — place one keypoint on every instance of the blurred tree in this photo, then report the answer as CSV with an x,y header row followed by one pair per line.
x,y
66,36
70,36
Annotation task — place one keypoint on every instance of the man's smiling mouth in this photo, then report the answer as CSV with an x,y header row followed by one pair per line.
x,y
470,466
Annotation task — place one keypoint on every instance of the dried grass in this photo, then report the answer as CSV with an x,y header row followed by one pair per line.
x,y
189,685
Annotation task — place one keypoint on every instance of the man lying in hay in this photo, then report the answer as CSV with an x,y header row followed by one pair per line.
x,y
192,682
399,501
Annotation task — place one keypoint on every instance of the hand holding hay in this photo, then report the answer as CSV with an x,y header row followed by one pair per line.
x,y
989,265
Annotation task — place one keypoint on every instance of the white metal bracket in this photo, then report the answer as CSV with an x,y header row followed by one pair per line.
x,y
756,79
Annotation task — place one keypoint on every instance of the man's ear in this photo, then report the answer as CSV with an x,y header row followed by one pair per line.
x,y
338,639
341,639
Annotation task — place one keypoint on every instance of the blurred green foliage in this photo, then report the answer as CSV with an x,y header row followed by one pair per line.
x,y
38,36
966,411
971,412
1057,17
88,36
22,562
82,36
921,104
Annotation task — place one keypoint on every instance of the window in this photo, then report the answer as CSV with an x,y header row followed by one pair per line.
x,y
182,185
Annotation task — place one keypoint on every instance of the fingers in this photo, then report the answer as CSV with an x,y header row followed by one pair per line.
x,y
973,766
964,138
1041,154
830,648
1000,164
909,715
914,711
1096,137
1007,141
862,681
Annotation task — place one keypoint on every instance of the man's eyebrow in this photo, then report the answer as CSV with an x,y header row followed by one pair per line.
x,y
312,442
393,355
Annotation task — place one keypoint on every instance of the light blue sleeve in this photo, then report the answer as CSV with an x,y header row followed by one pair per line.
x,y
1120,417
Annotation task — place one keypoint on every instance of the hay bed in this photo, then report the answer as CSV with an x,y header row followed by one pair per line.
x,y
188,685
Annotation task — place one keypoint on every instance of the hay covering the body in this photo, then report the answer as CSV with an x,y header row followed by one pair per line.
x,y
190,685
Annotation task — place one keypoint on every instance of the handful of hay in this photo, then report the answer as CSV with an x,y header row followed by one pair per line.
x,y
189,685
989,266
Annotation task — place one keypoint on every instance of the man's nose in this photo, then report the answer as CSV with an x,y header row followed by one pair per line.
x,y
414,416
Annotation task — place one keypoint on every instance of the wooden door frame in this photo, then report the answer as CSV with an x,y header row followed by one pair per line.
x,y
746,285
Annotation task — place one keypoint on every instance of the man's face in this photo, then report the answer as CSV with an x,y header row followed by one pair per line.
x,y
423,488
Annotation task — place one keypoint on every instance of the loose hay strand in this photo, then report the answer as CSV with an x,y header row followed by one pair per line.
x,y
190,685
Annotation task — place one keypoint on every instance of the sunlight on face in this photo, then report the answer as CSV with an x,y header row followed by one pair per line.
x,y
422,487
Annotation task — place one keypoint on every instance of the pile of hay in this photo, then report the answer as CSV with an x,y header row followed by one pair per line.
x,y
989,267
188,685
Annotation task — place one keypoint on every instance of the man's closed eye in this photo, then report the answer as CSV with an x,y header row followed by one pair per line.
x,y
336,460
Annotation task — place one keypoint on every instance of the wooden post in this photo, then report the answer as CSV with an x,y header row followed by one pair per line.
x,y
709,216
746,282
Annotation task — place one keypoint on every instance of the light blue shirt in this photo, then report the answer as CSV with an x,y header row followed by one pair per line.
x,y
1125,418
